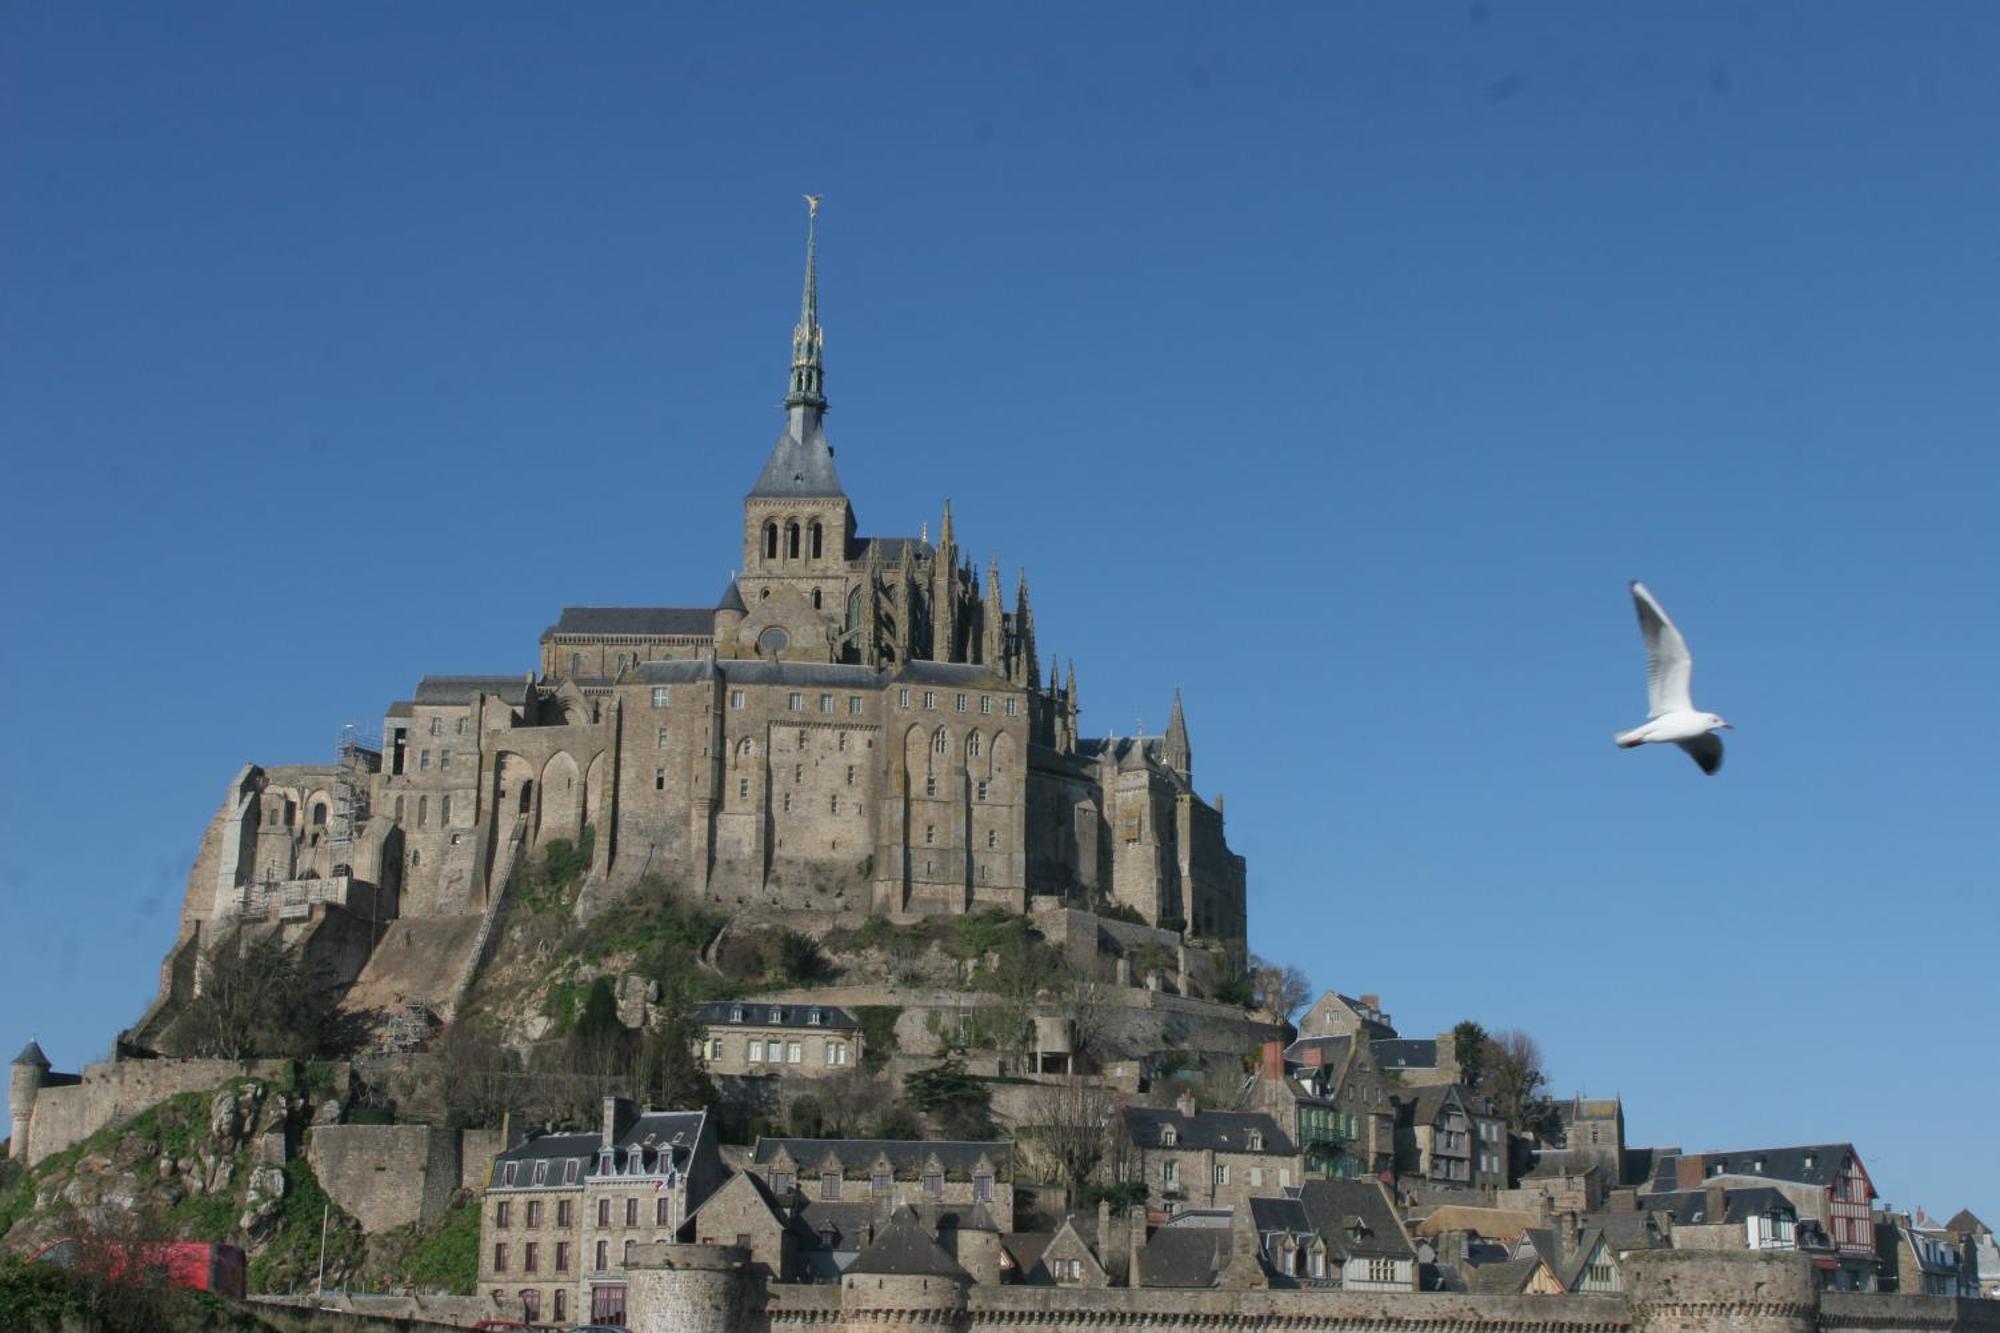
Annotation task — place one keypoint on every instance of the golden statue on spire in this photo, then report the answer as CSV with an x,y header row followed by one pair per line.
x,y
812,205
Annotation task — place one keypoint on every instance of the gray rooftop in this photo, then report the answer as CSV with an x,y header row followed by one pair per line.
x,y
636,621
1218,1131
905,1249
752,1013
905,1156
1356,1219
1406,1052
31,1054
799,468
756,671
448,690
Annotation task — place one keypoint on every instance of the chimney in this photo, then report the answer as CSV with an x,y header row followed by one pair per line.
x,y
1135,1241
1373,1002
618,1117
1623,1201
1716,1204
1274,1060
1185,1102
1313,1057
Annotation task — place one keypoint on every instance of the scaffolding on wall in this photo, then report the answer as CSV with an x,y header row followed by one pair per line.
x,y
356,755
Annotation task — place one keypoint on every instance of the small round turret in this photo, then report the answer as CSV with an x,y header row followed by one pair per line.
x,y
25,1079
1737,1291
688,1288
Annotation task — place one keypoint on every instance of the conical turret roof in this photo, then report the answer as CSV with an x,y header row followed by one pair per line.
x,y
31,1054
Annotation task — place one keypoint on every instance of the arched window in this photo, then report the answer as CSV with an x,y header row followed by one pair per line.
x,y
816,605
817,545
770,541
972,746
854,608
527,794
940,743
792,541
319,813
576,664
423,812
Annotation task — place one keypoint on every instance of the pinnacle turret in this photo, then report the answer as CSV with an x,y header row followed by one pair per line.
x,y
1174,751
807,393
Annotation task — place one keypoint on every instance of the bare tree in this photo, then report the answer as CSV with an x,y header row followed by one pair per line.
x,y
1072,1123
1511,1067
257,997
1280,990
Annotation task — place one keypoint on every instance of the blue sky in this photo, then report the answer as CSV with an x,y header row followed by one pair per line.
x,y
1336,365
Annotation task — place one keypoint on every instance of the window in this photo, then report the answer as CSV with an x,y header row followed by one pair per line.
x,y
756,1052
399,809
829,1185
603,1218
424,761
736,698
663,1210
531,1257
979,792
783,1182
930,834
736,1013
930,699
933,1183
534,1212
986,703
660,781
1256,1175
836,1052
500,1258
792,1052
879,1184
903,697
1256,1140
770,541
437,725
959,703
423,812
607,1304
826,703
1013,707
562,1297
816,543
798,772
853,706
603,1254
833,805
1170,1173
992,839
816,594
1221,1173
631,1212
444,761
982,1187
743,788
791,541
972,746
503,1212
576,664
444,809
660,738
562,1262
850,775
930,785
531,1303
788,803
562,1205
797,703
1169,1136
1381,1270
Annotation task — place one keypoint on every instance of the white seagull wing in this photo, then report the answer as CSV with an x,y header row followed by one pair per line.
x,y
1669,667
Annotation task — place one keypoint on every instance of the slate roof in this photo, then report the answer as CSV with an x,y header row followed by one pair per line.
x,y
890,549
401,708
1219,1131
906,1156
799,467
31,1054
1962,1220
1284,1214
719,1013
1405,1052
1335,1205
1426,1104
755,671
673,1133
639,621
905,1249
918,671
1789,1164
1184,1256
732,599
463,689
1333,1050
1505,1278
1690,1207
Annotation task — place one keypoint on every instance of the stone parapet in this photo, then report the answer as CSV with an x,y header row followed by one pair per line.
x,y
1714,1291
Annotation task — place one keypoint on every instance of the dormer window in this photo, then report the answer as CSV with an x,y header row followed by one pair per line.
x,y
604,1163
569,1171
777,1015
1812,1160
635,1161
541,1173
507,1172
1169,1136
736,1013
812,1018
1256,1140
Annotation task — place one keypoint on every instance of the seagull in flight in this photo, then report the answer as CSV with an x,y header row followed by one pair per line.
x,y
1669,668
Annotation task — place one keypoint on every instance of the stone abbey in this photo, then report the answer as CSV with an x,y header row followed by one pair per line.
x,y
857,724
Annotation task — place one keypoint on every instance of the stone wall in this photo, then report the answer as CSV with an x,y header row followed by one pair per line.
x,y
116,1090
387,1176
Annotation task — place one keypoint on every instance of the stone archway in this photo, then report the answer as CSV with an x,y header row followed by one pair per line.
x,y
562,800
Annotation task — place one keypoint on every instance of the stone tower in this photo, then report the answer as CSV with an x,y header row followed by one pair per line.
x,y
31,1067
1722,1291
798,527
691,1288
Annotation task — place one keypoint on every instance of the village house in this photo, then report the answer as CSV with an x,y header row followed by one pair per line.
x,y
1326,1092
561,1211
880,1174
747,1037
1208,1159
1449,1136
1342,1234
1825,1181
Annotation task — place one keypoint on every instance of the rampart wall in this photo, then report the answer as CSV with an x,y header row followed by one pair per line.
x,y
387,1176
67,1114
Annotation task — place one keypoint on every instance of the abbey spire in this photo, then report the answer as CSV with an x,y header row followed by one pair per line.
x,y
807,393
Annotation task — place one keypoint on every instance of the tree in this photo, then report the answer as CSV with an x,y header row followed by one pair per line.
x,y
1468,1047
1511,1065
474,1074
1279,990
671,1075
955,1101
256,998
1071,1124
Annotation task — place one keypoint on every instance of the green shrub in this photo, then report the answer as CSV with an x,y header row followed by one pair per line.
x,y
878,1034
444,1258
288,1260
